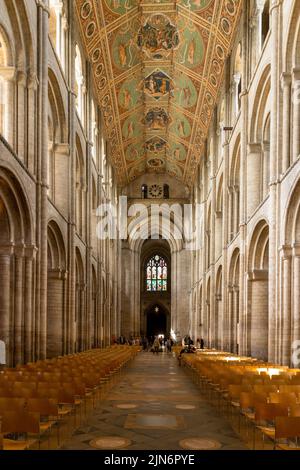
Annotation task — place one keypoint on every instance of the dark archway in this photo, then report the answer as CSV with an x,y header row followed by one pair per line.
x,y
157,321
156,274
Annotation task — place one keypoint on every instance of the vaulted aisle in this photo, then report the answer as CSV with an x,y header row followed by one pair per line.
x,y
155,406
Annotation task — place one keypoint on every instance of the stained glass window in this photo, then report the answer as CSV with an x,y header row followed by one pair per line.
x,y
157,274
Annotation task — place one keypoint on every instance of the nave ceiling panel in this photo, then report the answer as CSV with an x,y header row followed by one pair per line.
x,y
158,66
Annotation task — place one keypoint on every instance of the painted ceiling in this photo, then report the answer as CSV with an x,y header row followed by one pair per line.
x,y
158,66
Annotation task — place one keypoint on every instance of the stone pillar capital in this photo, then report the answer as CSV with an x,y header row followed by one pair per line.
x,y
8,73
62,148
286,79
260,4
30,252
237,78
43,5
32,81
286,252
266,146
65,23
6,250
296,75
21,78
81,286
258,275
254,147
296,250
19,251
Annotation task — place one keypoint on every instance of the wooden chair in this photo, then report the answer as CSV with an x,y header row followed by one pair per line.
x,y
287,399
287,428
48,409
265,414
295,411
14,422
12,404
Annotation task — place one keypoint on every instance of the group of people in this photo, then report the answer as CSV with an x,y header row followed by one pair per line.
x,y
157,344
188,346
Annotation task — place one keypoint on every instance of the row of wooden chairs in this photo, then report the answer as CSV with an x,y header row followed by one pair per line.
x,y
253,395
47,400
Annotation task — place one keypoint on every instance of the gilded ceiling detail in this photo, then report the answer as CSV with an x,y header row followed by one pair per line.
x,y
158,66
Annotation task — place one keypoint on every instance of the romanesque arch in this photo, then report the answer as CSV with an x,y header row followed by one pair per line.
x,y
233,302
17,258
80,308
56,292
219,309
234,189
258,291
290,276
258,158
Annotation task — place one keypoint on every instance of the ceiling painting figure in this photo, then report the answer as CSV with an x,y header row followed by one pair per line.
x,y
155,145
158,37
158,85
156,119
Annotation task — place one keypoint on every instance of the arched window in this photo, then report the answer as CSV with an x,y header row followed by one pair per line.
x,y
80,190
166,191
265,22
6,90
237,81
79,83
157,274
94,131
57,25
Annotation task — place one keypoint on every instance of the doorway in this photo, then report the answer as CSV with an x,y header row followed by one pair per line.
x,y
156,321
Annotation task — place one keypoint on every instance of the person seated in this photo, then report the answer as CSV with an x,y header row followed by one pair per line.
x,y
189,349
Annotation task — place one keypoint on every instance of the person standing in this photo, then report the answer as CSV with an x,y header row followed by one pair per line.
x,y
156,346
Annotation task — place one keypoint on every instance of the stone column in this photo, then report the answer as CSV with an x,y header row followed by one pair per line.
x,y
254,177
266,168
296,113
32,86
230,221
42,165
55,313
273,218
65,29
230,323
5,305
28,313
259,11
286,306
218,324
58,12
71,281
236,318
18,306
21,114
286,81
296,293
226,209
83,319
237,213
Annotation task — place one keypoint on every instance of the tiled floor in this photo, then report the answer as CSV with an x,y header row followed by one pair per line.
x,y
156,386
